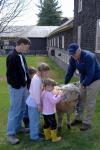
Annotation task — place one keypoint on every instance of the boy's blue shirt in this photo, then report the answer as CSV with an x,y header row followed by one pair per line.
x,y
87,66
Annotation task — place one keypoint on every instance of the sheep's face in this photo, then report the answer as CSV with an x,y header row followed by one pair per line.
x,y
70,91
71,97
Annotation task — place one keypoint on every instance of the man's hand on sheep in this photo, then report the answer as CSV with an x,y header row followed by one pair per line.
x,y
82,88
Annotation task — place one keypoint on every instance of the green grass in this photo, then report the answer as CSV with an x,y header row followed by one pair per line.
x,y
72,140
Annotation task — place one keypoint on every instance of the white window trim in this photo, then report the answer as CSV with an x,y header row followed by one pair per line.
x,y
97,36
63,41
58,41
79,35
50,42
54,42
79,6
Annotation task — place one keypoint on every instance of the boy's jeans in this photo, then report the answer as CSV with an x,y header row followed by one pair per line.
x,y
34,122
17,107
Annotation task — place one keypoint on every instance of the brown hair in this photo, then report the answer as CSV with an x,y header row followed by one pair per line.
x,y
43,67
49,81
23,40
32,70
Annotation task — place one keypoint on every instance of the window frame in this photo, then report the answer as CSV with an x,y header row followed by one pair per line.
x,y
63,41
79,31
79,6
97,37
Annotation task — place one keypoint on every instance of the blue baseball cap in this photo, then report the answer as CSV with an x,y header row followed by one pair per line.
x,y
72,48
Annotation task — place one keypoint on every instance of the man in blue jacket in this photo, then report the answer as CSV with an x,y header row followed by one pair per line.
x,y
89,69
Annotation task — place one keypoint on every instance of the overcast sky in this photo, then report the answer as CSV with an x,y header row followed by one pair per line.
x,y
29,16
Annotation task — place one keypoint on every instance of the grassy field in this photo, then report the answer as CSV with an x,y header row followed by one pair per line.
x,y
72,140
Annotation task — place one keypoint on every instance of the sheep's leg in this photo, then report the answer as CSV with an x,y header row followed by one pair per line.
x,y
59,121
68,120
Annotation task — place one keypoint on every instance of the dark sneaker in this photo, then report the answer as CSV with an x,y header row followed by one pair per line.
x,y
85,127
76,122
59,129
69,126
12,139
37,140
20,130
41,135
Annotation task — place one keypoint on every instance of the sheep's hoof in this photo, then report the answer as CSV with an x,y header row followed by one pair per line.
x,y
59,129
69,126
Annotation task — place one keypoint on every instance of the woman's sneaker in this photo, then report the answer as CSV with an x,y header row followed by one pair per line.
x,y
12,139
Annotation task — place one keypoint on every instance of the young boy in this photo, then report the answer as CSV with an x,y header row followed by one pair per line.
x,y
31,71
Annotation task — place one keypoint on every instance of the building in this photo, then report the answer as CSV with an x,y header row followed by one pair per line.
x,y
84,29
58,41
87,25
37,35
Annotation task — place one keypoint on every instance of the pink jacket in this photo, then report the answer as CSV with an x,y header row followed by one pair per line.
x,y
49,101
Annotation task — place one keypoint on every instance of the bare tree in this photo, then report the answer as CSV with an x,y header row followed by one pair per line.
x,y
9,10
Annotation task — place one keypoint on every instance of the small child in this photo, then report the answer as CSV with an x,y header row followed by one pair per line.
x,y
49,100
31,71
33,101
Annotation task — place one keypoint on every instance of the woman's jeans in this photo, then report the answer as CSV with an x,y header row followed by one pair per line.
x,y
34,122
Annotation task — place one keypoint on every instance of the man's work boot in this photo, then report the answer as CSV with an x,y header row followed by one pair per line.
x,y
85,127
76,122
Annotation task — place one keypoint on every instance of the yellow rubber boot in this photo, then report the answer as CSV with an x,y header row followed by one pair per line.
x,y
54,136
47,134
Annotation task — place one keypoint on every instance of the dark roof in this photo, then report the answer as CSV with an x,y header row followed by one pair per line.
x,y
67,25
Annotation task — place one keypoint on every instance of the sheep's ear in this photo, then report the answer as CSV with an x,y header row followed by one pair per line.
x,y
60,88
57,84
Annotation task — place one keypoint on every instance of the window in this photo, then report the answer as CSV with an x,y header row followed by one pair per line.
x,y
79,6
62,41
6,42
79,36
98,36
11,47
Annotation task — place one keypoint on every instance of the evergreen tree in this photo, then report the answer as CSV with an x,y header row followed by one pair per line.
x,y
49,14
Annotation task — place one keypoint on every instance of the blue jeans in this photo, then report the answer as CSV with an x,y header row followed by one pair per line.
x,y
34,122
17,107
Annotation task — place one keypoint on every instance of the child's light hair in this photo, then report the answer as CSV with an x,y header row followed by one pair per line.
x,y
43,67
49,82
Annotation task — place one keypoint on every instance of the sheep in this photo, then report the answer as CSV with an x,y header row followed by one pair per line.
x,y
69,103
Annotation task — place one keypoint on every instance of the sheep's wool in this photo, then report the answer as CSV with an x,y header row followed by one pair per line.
x,y
70,99
70,91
